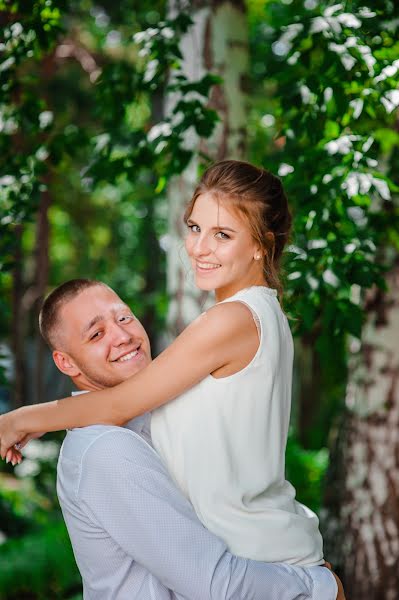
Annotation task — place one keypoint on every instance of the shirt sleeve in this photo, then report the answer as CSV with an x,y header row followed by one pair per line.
x,y
126,490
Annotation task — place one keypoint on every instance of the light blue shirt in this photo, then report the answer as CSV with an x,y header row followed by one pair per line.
x,y
136,537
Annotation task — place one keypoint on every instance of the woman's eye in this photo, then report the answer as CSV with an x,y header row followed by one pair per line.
x,y
194,228
95,335
222,235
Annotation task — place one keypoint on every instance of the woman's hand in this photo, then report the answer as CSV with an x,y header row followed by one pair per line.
x,y
14,454
11,431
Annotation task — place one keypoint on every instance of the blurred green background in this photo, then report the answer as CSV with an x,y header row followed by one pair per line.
x,y
97,109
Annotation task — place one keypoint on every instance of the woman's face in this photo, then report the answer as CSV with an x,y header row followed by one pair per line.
x,y
221,248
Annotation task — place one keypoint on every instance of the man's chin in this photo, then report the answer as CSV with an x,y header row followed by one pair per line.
x,y
104,381
129,368
116,373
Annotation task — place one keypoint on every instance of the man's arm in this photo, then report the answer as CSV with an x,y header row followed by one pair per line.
x,y
127,491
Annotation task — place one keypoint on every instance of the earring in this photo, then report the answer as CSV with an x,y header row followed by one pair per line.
x,y
257,257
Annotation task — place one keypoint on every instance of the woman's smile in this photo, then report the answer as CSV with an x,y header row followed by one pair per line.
x,y
206,266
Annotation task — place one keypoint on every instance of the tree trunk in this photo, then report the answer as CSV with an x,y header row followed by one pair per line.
x,y
40,286
152,275
362,516
309,387
153,269
217,43
17,333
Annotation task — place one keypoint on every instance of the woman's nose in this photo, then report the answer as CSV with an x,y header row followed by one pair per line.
x,y
203,245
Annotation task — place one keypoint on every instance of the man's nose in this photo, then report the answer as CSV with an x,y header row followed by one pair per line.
x,y
120,335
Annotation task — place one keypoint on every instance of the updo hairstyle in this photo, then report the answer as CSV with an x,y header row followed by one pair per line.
x,y
258,196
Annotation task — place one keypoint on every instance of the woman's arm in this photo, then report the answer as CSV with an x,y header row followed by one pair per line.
x,y
213,340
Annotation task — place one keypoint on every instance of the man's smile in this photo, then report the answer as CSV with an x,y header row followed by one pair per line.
x,y
127,355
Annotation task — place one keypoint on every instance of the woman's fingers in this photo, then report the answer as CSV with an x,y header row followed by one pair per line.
x,y
13,456
7,443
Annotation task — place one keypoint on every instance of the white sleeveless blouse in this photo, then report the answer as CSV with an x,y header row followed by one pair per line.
x,y
223,441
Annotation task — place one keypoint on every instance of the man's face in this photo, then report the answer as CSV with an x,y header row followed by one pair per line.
x,y
101,343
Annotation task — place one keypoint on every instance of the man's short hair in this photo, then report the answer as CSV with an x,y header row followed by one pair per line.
x,y
48,317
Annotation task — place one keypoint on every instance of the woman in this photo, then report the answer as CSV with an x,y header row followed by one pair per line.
x,y
229,373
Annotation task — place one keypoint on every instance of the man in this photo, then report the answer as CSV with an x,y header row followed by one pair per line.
x,y
133,534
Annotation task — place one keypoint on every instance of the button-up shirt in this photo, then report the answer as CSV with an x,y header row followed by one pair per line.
x,y
135,536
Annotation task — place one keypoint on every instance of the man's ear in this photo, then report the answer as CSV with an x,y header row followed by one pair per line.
x,y
65,363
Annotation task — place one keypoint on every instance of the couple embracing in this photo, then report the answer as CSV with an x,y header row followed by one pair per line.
x,y
171,476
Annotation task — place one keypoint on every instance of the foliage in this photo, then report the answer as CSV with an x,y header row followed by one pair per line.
x,y
83,118
18,507
306,470
37,558
30,32
27,499
38,468
40,565
331,71
129,144
82,115
125,143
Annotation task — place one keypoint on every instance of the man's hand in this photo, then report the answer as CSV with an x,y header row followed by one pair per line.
x,y
341,593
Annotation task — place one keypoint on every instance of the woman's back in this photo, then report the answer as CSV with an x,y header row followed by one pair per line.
x,y
224,442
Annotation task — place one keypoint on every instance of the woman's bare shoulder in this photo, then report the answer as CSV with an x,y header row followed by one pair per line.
x,y
225,318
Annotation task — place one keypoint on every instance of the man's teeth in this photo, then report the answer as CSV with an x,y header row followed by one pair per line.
x,y
208,266
128,356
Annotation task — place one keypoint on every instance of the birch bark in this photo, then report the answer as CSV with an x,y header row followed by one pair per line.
x,y
217,43
362,519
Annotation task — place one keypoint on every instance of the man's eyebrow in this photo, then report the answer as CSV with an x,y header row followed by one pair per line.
x,y
99,318
94,320
217,228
